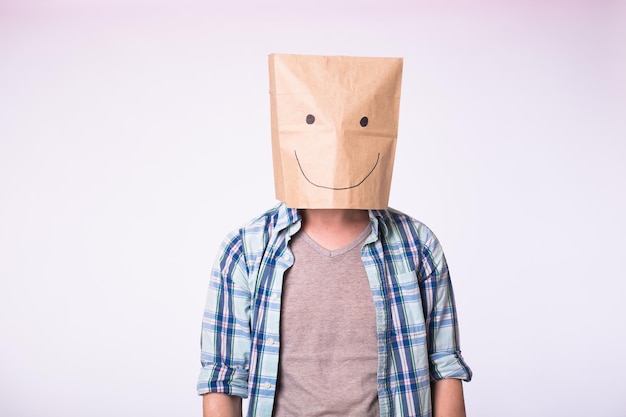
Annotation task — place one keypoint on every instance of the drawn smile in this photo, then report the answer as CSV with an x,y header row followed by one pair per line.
x,y
337,188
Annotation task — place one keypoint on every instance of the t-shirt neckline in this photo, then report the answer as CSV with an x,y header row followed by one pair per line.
x,y
340,251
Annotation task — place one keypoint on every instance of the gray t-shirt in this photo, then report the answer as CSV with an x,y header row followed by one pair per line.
x,y
329,350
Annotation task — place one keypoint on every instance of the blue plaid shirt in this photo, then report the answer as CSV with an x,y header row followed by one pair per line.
x,y
416,322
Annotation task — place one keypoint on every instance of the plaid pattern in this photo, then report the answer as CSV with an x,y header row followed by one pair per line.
x,y
415,314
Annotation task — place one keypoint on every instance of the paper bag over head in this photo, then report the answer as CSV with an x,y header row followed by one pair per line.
x,y
334,129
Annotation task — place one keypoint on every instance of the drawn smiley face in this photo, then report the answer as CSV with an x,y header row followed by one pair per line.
x,y
310,120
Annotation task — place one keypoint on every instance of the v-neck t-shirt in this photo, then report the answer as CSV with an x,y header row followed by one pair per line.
x,y
328,355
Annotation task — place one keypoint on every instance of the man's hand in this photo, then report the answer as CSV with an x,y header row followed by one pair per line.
x,y
448,398
221,405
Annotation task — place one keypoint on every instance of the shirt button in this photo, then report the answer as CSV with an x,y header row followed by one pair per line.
x,y
267,385
270,341
274,297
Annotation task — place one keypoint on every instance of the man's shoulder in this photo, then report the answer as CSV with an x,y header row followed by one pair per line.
x,y
401,228
257,232
394,218
276,218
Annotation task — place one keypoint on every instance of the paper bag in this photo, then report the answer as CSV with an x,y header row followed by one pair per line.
x,y
334,129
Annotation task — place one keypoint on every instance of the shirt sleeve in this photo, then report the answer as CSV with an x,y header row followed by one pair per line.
x,y
444,351
225,338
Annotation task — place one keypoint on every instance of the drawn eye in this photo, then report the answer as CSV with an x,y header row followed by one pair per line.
x,y
363,121
310,119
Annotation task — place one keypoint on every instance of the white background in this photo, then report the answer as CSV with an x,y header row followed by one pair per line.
x,y
135,134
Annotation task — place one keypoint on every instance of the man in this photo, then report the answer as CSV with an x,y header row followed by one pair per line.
x,y
330,303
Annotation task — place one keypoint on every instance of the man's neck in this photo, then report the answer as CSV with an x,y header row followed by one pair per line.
x,y
334,228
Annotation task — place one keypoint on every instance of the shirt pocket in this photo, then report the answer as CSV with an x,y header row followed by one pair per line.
x,y
406,301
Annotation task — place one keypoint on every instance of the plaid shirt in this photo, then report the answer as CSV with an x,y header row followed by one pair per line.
x,y
416,322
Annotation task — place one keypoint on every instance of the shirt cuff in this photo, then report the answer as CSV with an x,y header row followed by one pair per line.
x,y
449,364
222,379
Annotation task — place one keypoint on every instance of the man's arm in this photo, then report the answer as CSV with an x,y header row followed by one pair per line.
x,y
221,405
447,398
447,367
225,337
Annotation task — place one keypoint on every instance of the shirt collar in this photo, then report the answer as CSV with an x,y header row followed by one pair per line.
x,y
377,220
288,218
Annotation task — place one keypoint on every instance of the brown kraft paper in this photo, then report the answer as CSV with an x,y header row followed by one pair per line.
x,y
334,129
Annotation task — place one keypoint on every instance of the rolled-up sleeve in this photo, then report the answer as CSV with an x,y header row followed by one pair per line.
x,y
225,338
440,315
